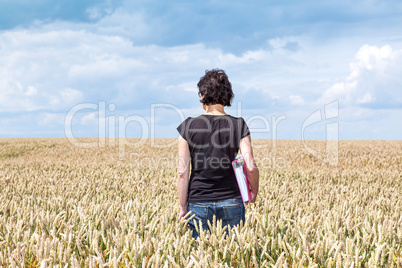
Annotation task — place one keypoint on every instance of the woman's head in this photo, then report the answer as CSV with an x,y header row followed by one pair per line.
x,y
215,88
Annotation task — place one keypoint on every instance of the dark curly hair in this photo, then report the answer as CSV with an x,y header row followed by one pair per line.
x,y
215,88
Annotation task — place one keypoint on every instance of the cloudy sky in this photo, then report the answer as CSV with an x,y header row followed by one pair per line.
x,y
299,69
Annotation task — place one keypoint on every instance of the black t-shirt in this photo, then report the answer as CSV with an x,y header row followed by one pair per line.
x,y
213,142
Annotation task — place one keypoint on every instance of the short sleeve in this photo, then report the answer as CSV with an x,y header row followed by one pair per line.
x,y
244,129
183,128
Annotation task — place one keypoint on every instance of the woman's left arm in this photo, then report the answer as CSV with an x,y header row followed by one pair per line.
x,y
183,172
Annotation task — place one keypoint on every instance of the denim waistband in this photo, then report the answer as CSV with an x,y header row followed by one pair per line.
x,y
230,201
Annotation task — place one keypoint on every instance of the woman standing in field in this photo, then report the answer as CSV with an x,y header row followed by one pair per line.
x,y
211,142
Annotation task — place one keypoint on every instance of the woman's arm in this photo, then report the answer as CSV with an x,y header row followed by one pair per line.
x,y
183,171
251,167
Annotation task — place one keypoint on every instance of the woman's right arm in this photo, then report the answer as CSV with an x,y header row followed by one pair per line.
x,y
251,167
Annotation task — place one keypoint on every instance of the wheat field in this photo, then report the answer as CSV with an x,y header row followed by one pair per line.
x,y
64,206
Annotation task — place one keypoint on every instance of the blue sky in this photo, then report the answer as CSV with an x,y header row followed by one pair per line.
x,y
130,68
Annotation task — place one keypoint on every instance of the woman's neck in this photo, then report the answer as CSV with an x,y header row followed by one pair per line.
x,y
214,109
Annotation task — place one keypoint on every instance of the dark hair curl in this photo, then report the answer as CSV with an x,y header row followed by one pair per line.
x,y
215,88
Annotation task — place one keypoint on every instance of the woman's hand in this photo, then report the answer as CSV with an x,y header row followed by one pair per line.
x,y
183,212
253,197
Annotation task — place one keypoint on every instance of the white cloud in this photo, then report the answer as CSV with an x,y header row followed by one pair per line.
x,y
46,119
296,100
90,118
123,22
48,69
54,69
70,96
100,10
374,81
366,99
32,91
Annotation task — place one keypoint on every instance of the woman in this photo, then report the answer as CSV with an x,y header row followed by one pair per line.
x,y
211,142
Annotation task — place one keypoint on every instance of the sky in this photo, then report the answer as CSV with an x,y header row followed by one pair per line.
x,y
299,69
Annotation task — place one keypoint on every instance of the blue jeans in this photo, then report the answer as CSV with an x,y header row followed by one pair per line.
x,y
230,211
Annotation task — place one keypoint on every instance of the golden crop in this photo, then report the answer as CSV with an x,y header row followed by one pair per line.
x,y
62,206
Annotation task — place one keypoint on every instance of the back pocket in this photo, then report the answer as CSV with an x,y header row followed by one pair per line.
x,y
200,213
234,214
